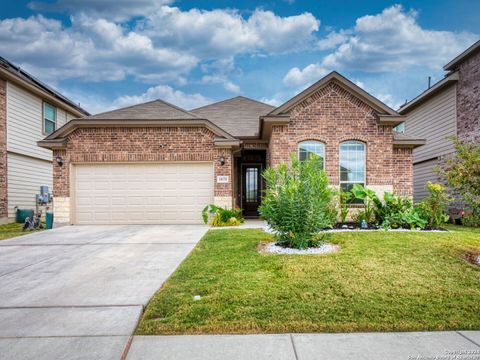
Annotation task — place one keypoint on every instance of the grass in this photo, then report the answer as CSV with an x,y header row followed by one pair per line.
x,y
11,230
377,282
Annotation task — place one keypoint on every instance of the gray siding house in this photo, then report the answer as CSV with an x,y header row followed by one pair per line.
x,y
29,110
451,107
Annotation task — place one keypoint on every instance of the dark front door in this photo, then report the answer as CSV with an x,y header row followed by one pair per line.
x,y
251,189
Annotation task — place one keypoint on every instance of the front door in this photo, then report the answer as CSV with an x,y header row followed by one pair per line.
x,y
251,189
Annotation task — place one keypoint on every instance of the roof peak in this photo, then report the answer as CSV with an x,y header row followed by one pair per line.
x,y
356,90
144,104
233,98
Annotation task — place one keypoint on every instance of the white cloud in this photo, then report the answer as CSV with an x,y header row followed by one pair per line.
x,y
225,33
164,44
118,10
311,73
272,101
332,40
220,79
391,41
167,93
91,49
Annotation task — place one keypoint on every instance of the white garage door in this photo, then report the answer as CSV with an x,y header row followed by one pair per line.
x,y
168,193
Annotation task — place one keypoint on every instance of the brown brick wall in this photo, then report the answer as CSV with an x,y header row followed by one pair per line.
x,y
140,145
333,115
3,150
403,171
468,100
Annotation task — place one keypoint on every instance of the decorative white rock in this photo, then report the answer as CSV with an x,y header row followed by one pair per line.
x,y
273,248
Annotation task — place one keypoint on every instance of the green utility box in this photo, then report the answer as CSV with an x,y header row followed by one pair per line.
x,y
22,214
49,220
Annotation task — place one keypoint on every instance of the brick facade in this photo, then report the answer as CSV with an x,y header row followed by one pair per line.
x,y
149,144
333,115
468,100
3,151
403,171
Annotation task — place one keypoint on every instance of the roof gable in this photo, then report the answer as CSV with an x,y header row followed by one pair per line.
x,y
152,110
343,82
472,50
239,116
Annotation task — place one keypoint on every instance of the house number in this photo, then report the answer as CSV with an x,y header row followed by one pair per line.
x,y
223,179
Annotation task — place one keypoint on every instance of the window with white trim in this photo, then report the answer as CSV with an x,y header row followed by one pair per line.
x,y
352,164
307,149
49,118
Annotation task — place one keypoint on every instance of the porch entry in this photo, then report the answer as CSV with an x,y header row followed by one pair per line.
x,y
251,191
250,165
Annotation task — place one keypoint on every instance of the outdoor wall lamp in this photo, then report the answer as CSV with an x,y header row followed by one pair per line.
x,y
59,160
221,159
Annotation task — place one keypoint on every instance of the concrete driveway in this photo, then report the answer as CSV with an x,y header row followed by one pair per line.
x,y
77,292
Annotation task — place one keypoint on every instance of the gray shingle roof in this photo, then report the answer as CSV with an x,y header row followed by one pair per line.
x,y
152,110
238,116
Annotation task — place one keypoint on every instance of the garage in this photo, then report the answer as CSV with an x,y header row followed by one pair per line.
x,y
141,193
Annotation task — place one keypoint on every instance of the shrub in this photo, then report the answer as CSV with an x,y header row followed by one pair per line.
x,y
370,201
463,175
391,213
434,207
344,198
297,202
221,216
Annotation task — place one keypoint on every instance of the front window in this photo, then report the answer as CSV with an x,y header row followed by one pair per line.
x,y
352,164
307,149
400,128
49,118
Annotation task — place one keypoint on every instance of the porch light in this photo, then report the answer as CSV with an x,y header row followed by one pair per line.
x,y
221,159
59,160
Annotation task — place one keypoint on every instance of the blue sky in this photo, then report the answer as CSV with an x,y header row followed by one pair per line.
x,y
114,53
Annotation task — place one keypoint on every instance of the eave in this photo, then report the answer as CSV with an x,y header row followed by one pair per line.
x,y
268,121
409,143
58,139
40,92
429,93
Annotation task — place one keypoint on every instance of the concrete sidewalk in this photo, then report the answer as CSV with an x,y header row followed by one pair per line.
x,y
451,345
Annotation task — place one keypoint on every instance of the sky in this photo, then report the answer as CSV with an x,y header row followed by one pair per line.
x,y
107,54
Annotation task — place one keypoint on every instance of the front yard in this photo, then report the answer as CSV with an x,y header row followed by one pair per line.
x,y
11,230
379,281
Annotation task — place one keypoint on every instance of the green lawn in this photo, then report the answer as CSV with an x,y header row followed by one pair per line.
x,y
378,282
8,231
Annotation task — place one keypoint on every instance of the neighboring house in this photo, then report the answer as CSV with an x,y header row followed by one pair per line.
x,y
449,108
157,163
29,110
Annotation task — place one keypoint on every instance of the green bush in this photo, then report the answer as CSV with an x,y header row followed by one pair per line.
x,y
463,175
392,213
297,202
221,216
370,201
344,198
434,207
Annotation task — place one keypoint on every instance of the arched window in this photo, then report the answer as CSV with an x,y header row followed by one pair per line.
x,y
352,164
308,148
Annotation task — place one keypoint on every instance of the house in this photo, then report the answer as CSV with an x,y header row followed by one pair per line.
x,y
29,110
157,163
451,107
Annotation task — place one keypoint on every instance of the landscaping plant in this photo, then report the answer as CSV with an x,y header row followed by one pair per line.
x,y
221,216
297,202
434,207
369,198
344,200
463,175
